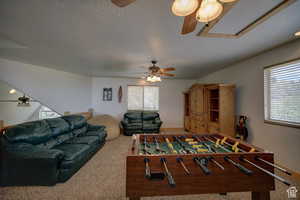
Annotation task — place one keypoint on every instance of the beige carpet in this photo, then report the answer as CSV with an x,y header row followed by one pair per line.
x,y
103,177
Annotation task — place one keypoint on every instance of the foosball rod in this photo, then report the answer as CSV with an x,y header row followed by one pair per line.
x,y
182,149
210,158
266,171
268,163
219,144
192,150
157,147
170,146
171,180
239,166
273,165
180,160
209,148
146,146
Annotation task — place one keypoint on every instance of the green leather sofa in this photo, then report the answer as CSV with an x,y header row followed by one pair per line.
x,y
48,151
141,122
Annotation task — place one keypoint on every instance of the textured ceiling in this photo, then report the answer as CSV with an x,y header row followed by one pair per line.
x,y
96,38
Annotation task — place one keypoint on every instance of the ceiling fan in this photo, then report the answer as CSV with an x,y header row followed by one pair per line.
x,y
155,73
22,101
193,11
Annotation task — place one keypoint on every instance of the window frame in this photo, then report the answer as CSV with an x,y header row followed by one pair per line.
x,y
268,120
143,97
47,111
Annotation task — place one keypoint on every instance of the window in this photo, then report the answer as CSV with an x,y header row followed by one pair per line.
x,y
46,113
282,94
143,98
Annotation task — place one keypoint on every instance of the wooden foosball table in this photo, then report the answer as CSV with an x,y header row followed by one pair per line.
x,y
165,165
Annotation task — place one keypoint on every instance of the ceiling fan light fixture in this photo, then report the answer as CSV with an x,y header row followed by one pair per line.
x,y
12,91
209,11
153,79
23,104
184,7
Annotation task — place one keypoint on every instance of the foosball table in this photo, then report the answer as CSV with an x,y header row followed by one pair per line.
x,y
160,165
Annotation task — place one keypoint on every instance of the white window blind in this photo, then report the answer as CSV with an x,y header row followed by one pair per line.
x,y
143,98
282,93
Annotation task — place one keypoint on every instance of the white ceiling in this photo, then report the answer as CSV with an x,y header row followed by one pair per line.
x,y
96,38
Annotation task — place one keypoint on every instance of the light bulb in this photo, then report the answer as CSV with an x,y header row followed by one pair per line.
x,y
209,11
12,91
184,7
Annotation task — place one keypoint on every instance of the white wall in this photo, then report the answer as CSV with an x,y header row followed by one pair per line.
x,y
171,100
248,77
60,91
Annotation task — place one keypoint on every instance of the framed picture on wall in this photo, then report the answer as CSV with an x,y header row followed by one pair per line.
x,y
107,94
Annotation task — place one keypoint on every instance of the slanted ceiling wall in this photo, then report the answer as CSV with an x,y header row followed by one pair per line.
x,y
60,91
249,79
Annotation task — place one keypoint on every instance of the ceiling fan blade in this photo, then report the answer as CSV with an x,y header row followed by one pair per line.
x,y
122,3
190,22
167,74
167,69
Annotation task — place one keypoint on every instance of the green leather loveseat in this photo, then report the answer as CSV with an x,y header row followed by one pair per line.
x,y
135,122
48,151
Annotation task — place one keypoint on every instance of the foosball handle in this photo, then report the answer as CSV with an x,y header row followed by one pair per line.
x,y
244,169
171,180
241,167
203,167
147,168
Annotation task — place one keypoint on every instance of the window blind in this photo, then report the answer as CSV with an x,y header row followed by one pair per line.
x,y
143,98
135,98
282,93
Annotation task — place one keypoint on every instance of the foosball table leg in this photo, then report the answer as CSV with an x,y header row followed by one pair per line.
x,y
261,195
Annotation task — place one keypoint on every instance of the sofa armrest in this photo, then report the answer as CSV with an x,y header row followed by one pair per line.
x,y
95,127
125,122
25,164
157,121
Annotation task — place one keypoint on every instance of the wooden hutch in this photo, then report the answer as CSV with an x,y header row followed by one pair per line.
x,y
209,108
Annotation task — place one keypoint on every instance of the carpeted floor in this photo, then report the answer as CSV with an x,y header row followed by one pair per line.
x,y
103,177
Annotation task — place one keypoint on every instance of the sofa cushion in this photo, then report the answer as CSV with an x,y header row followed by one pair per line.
x,y
150,126
64,137
75,121
79,131
72,151
49,144
90,140
134,126
136,115
58,126
150,116
35,132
